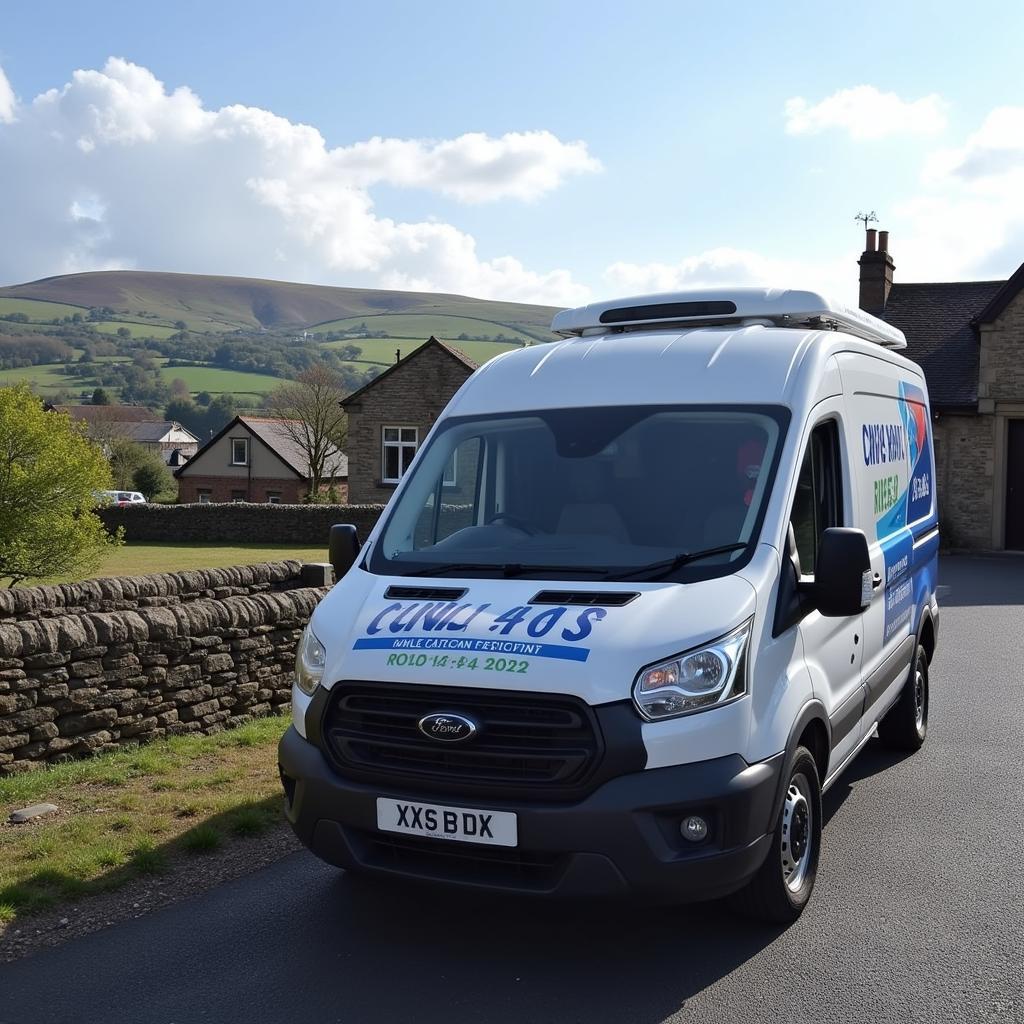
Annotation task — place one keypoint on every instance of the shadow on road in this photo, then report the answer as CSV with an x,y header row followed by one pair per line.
x,y
968,580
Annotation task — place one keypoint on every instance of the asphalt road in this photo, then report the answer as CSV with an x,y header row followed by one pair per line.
x,y
918,913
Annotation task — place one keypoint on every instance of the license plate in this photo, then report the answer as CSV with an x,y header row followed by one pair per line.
x,y
461,824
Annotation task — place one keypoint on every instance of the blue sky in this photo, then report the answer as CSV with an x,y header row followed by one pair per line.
x,y
690,169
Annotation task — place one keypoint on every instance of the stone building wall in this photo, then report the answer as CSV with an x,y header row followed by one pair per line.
x,y
1001,371
305,525
964,465
413,394
85,681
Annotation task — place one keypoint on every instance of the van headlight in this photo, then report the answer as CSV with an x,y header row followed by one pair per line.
x,y
695,680
309,661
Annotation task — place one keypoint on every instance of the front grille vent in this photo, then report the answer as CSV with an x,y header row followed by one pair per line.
x,y
607,598
397,593
545,744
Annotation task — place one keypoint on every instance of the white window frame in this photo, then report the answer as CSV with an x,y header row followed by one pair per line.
x,y
245,458
401,444
204,495
273,497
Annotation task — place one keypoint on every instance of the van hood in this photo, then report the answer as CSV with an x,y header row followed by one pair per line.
x,y
496,634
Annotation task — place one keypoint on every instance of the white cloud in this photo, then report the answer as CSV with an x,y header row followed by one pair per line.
x,y
865,112
727,266
113,170
7,100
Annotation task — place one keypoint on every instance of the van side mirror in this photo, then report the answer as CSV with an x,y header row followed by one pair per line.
x,y
842,575
342,548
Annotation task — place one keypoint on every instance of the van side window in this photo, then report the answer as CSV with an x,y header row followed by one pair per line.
x,y
818,504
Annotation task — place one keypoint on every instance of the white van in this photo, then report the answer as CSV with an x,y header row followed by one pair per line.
x,y
641,597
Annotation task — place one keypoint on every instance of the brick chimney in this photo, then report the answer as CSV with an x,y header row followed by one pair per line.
x,y
876,267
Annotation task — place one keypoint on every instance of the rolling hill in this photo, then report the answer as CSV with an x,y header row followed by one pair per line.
x,y
220,304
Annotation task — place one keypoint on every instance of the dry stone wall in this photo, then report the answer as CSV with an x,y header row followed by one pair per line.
x,y
166,662
240,522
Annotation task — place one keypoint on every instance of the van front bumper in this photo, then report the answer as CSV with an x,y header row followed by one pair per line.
x,y
621,839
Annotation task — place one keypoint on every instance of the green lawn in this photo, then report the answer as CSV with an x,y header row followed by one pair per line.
x,y
138,558
39,310
125,814
421,326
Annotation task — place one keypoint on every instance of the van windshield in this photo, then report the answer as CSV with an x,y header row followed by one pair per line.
x,y
616,492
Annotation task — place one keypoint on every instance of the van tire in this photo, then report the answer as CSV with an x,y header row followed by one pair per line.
x,y
769,896
905,725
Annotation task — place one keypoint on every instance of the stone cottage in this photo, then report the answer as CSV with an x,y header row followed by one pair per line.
x,y
389,418
968,336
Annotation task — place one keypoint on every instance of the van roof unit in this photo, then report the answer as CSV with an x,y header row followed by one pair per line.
x,y
708,306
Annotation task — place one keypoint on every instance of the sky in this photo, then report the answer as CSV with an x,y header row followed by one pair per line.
x,y
550,152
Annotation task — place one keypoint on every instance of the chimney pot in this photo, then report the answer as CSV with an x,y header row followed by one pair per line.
x,y
870,244
883,241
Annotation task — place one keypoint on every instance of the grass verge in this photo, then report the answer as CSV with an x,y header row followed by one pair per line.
x,y
138,558
125,814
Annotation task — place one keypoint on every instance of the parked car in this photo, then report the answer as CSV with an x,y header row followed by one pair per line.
x,y
120,498
685,569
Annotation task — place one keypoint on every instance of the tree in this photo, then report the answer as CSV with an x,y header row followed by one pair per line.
x,y
180,325
152,477
100,397
49,474
310,407
125,457
123,332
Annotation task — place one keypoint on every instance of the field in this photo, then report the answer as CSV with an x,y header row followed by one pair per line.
x,y
216,381
132,813
422,325
36,310
48,378
381,351
138,559
135,328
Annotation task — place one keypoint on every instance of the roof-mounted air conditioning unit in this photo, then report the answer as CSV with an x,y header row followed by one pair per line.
x,y
712,306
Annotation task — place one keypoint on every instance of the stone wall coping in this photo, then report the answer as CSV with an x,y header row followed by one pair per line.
x,y
202,617
16,602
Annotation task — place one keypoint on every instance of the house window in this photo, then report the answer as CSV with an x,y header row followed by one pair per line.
x,y
818,504
239,451
204,495
397,451
273,497
238,496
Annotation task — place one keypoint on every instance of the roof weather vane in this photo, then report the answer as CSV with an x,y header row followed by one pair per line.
x,y
867,218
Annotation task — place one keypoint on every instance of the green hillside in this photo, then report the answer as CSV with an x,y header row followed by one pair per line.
x,y
208,303
423,325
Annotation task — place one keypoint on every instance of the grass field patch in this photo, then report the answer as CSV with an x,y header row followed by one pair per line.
x,y
39,310
103,835
139,558
135,328
421,326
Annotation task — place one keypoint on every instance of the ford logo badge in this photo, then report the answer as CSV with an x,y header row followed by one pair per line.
x,y
447,727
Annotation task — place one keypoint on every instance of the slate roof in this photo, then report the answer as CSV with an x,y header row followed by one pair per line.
x,y
274,434
109,413
939,322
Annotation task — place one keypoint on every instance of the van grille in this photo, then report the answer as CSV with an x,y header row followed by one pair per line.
x,y
539,743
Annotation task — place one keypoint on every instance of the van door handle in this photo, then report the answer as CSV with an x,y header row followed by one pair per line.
x,y
876,581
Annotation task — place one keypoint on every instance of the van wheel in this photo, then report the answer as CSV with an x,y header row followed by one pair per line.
x,y
782,886
905,725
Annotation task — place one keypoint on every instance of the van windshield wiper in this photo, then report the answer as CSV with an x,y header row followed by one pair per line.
x,y
507,569
658,570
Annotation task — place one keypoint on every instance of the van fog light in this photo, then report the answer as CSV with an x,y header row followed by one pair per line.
x,y
694,828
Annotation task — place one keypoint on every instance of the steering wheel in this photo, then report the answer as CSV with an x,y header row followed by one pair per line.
x,y
514,522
